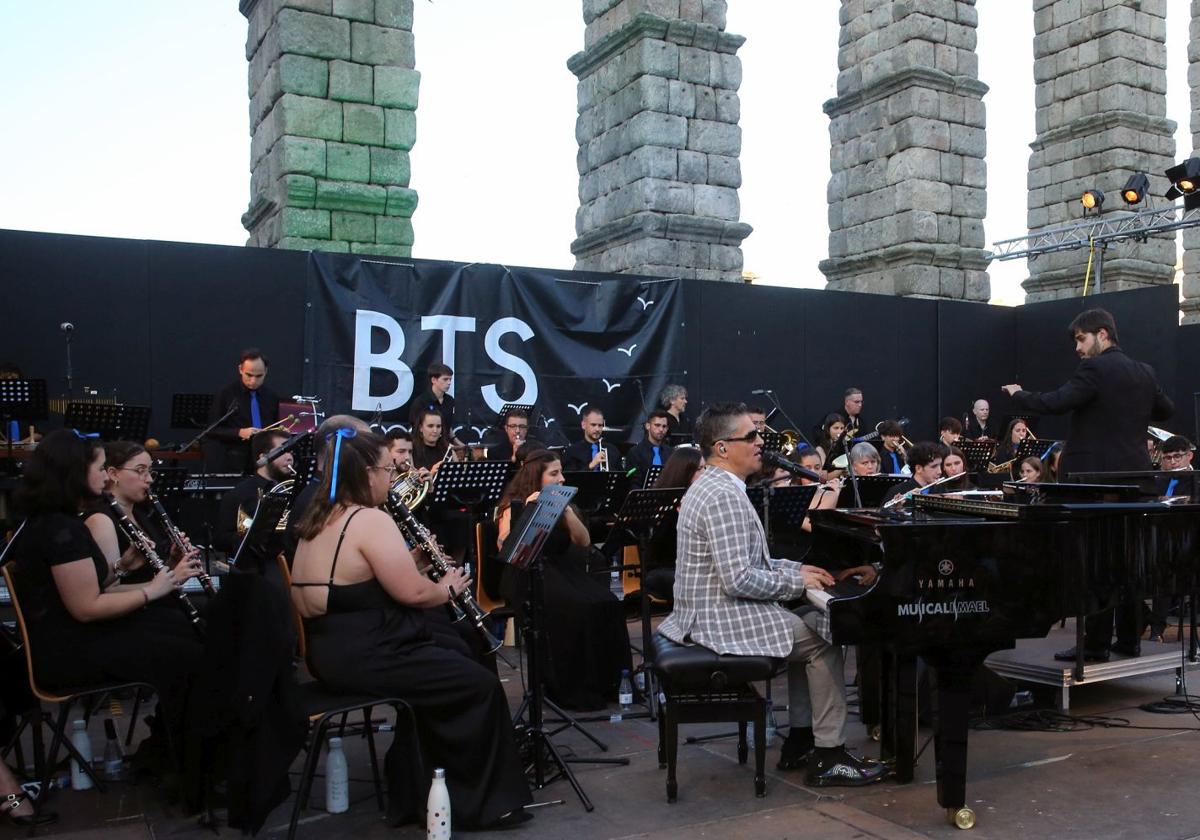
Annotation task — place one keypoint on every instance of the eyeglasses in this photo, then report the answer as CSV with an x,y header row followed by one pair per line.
x,y
522,427
1174,456
390,470
749,437
142,472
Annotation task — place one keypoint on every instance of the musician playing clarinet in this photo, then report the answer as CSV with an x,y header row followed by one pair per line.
x,y
1112,399
256,406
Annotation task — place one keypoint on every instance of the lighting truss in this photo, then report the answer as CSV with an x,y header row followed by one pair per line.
x,y
1112,227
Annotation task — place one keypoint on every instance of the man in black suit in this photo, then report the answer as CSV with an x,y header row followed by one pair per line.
x,y
516,431
653,449
590,453
255,407
977,425
1112,399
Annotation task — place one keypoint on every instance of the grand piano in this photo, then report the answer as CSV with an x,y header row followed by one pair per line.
x,y
964,577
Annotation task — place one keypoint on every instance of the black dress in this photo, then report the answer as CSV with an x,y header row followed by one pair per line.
x,y
155,644
368,643
587,640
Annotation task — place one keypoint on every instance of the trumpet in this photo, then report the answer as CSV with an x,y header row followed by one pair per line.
x,y
1003,466
462,604
137,537
179,540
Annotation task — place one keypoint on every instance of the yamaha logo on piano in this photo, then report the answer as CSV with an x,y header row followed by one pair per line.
x,y
946,567
944,581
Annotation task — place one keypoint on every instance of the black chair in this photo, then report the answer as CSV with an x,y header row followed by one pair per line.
x,y
64,699
701,686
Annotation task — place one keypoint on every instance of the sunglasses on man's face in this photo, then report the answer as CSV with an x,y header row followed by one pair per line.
x,y
749,437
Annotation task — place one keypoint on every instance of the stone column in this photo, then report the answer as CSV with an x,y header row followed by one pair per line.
x,y
907,191
659,140
333,98
1191,236
1100,70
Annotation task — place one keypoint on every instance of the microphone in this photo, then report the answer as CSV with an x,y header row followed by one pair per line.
x,y
771,459
282,449
758,392
302,398
66,326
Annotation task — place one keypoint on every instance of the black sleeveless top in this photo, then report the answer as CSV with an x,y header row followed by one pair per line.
x,y
351,597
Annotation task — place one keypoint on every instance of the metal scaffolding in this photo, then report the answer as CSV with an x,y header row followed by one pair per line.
x,y
1098,231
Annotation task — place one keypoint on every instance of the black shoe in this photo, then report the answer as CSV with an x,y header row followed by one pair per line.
x,y
13,801
838,768
1127,648
1157,638
796,750
1088,655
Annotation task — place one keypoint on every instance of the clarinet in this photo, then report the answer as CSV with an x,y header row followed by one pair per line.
x,y
137,537
463,604
179,540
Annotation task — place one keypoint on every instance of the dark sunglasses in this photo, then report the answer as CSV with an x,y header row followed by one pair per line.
x,y
749,437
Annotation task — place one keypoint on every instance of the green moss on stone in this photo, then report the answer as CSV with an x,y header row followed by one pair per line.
x,y
304,75
390,166
396,230
353,227
347,162
356,198
306,224
350,82
401,201
397,87
362,124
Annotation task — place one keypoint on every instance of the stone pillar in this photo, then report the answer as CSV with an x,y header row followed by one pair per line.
x,y
1191,236
333,98
1101,117
659,140
907,191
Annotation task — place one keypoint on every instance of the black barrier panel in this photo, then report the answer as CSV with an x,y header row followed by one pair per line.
x,y
1187,391
976,355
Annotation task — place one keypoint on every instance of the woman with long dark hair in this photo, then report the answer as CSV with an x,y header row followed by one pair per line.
x,y
586,635
363,601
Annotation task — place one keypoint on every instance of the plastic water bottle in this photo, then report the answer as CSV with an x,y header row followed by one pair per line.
x,y
114,761
639,681
80,780
614,584
625,692
337,783
437,808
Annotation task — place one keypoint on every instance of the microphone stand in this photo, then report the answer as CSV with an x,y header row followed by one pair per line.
x,y
850,469
792,423
186,446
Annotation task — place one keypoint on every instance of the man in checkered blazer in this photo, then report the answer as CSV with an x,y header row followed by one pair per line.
x,y
727,594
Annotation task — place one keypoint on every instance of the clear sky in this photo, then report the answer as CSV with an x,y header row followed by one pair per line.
x,y
129,118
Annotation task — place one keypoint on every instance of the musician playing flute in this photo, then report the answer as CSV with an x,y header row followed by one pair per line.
x,y
255,406
1111,399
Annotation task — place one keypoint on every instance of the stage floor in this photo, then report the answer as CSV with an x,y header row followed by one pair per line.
x,y
1102,782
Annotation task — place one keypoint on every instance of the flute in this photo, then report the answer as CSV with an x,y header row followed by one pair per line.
x,y
137,537
179,540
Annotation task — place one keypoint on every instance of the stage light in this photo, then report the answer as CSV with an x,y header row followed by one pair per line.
x,y
1092,201
1135,189
1184,178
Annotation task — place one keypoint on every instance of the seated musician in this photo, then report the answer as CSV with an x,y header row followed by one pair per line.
x,y
1016,432
364,606
400,444
827,494
727,596
590,453
86,626
950,431
15,430
1032,470
652,450
977,425
955,463
516,431
242,500
758,416
673,399
891,453
586,635
1154,450
1177,453
431,447
830,444
852,405
925,459
864,459
227,448
682,468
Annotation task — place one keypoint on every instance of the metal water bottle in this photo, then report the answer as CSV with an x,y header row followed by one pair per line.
x,y
80,780
437,808
337,783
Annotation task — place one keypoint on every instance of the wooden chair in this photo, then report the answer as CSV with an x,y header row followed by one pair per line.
x,y
323,706
63,699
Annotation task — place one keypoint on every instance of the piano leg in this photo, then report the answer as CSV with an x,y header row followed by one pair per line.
x,y
898,738
868,660
954,677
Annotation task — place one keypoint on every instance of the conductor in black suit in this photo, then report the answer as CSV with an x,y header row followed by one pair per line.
x,y
1112,399
256,407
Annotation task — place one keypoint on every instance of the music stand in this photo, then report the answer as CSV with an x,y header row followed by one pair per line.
x,y
523,550
599,492
1034,449
190,411
256,541
979,453
23,399
871,490
474,485
772,441
652,473
109,420
508,407
782,509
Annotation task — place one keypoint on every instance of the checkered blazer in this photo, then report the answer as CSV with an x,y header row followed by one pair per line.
x,y
726,586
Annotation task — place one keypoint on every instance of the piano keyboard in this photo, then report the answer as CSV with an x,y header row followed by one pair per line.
x,y
820,598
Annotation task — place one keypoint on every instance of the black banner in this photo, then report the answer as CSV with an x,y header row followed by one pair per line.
x,y
510,335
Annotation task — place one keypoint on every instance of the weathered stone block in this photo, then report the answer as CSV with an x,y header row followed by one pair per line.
x,y
650,128
311,34
377,250
693,167
706,103
401,201
717,202
363,10
714,137
649,162
356,198
363,124
353,227
397,87
348,162
297,190
390,167
397,14
400,128
729,106
310,224
296,243
681,98
394,230
304,75
370,44
724,171
350,82
308,116
299,155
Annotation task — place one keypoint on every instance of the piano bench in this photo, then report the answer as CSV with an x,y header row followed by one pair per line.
x,y
701,686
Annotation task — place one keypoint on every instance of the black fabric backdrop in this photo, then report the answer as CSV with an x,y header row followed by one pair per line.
x,y
156,318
